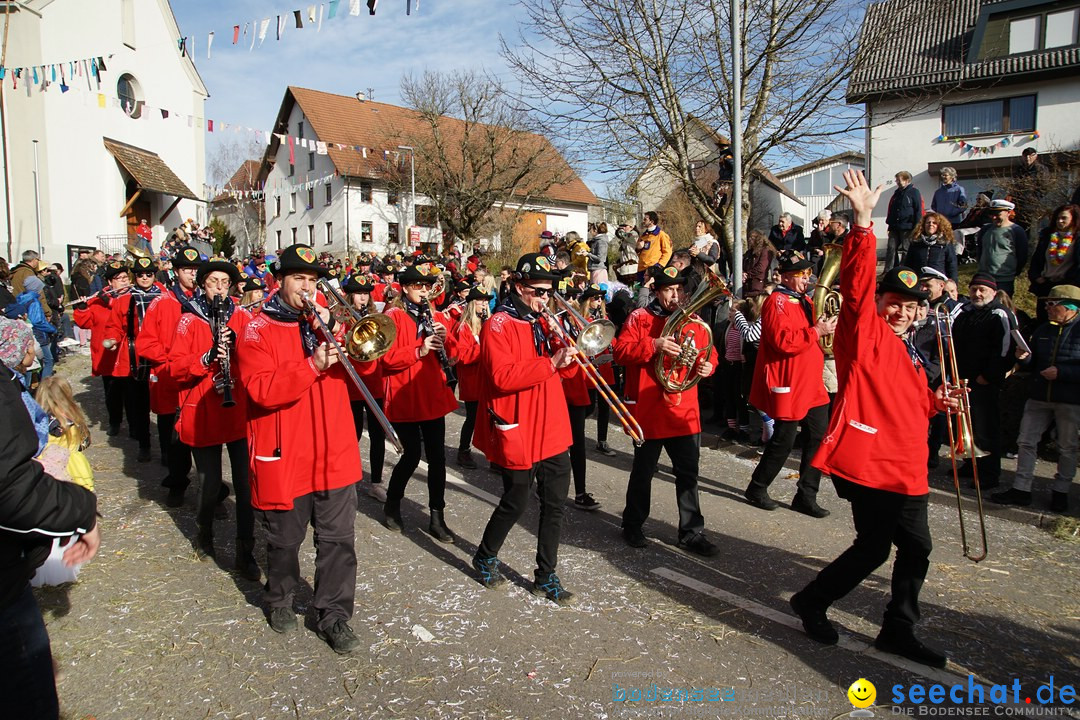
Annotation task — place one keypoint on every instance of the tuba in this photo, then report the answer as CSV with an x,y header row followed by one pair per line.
x,y
693,334
826,300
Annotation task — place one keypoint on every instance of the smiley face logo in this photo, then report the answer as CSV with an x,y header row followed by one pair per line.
x,y
862,693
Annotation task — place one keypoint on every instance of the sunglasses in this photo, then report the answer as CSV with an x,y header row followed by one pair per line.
x,y
539,291
144,274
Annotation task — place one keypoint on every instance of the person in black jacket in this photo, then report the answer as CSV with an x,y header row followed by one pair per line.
x,y
933,245
786,236
1054,398
1055,260
34,509
983,341
905,212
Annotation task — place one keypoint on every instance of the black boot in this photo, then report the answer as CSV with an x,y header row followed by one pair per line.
x,y
437,527
900,640
204,543
246,567
392,519
1059,501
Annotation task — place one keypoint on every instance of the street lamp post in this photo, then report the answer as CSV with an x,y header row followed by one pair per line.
x,y
412,182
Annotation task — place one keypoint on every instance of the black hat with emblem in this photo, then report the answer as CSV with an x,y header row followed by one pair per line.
x,y
115,268
358,284
297,259
186,257
671,275
421,272
794,262
477,294
144,265
592,291
252,284
217,266
535,266
903,281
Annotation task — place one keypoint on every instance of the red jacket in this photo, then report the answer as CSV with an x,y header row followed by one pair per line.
x,y
116,328
575,385
202,421
371,374
877,434
415,387
524,391
94,318
661,414
154,343
788,377
301,437
467,350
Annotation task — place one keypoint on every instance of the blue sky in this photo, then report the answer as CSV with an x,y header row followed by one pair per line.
x,y
349,54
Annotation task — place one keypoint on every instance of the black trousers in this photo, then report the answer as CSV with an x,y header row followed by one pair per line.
x,y
378,436
578,413
137,406
734,405
882,519
431,434
779,447
332,513
465,442
603,415
552,482
179,453
683,452
986,424
114,399
208,470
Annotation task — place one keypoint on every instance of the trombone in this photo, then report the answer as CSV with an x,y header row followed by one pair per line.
x,y
369,338
962,441
592,339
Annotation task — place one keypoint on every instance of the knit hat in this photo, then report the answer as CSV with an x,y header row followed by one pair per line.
x,y
16,339
984,279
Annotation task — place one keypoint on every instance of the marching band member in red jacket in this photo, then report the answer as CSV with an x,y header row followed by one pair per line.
x,y
254,295
592,308
467,348
303,461
418,397
93,315
788,385
578,403
201,366
132,371
524,427
153,344
357,291
875,449
669,421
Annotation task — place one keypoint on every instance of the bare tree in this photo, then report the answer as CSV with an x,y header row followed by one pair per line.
x,y
627,80
233,168
474,151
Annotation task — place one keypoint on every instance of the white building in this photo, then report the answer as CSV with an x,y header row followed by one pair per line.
x,y
707,150
324,178
106,155
968,84
240,207
813,183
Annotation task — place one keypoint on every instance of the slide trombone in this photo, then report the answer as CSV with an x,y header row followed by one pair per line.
x,y
592,339
361,337
962,441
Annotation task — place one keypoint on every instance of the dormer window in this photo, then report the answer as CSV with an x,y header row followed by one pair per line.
x,y
1020,32
1024,35
1061,28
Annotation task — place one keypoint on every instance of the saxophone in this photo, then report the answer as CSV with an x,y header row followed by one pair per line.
x,y
826,300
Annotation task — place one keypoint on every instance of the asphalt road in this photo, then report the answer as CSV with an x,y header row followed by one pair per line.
x,y
149,631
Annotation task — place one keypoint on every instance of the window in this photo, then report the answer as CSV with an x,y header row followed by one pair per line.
x,y
391,196
1023,35
804,185
130,94
127,19
300,129
293,232
292,202
365,232
277,235
1061,28
292,169
310,198
1007,115
329,233
329,193
393,233
822,182
365,192
311,161
427,216
277,207
311,235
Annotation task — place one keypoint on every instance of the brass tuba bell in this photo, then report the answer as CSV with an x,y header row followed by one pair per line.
x,y
679,373
826,300
367,337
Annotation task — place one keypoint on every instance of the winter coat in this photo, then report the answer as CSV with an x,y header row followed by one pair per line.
x,y
905,209
932,252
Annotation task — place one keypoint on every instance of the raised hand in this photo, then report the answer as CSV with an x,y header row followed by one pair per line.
x,y
860,195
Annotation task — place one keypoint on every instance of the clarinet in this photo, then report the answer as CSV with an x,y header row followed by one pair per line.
x,y
428,325
223,381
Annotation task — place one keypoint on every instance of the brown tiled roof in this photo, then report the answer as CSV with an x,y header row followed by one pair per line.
x,y
920,44
149,170
342,119
245,178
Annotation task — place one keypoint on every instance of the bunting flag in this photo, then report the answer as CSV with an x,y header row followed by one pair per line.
x,y
967,147
236,33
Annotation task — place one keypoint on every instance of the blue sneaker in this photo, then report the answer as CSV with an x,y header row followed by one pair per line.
x,y
553,590
488,569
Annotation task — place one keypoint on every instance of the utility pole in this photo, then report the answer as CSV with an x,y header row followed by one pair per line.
x,y
736,145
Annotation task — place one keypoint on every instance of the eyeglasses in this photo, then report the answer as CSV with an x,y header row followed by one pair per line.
x,y
144,274
539,291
